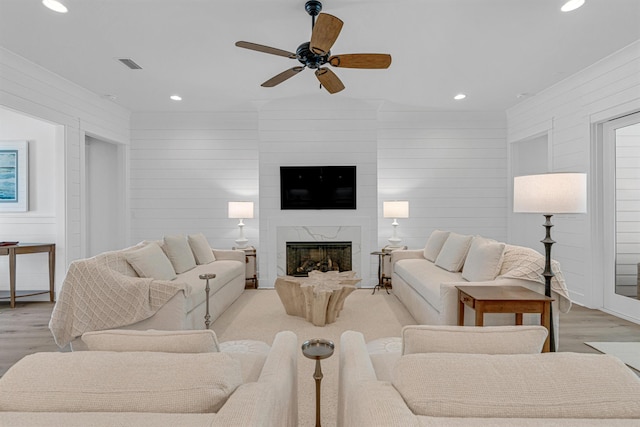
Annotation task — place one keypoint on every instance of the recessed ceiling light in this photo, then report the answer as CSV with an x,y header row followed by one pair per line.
x,y
460,96
571,5
55,5
176,97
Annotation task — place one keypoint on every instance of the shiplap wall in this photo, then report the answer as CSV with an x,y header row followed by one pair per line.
x,y
568,111
186,167
318,130
451,167
34,91
627,210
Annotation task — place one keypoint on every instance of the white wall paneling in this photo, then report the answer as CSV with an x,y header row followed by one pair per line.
x,y
451,167
607,89
33,91
186,167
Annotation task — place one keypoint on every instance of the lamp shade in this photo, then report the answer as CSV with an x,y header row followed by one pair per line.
x,y
242,210
552,193
395,209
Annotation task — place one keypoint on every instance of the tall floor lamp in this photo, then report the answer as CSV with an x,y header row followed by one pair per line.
x,y
395,209
548,194
241,210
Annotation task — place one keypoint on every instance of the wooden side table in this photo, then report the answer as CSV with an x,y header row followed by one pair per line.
x,y
251,259
504,299
29,248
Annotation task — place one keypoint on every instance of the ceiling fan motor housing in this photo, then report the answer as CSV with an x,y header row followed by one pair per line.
x,y
309,58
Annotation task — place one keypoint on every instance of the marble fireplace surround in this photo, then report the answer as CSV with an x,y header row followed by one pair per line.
x,y
356,230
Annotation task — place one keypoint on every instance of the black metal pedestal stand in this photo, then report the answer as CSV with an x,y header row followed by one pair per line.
x,y
548,274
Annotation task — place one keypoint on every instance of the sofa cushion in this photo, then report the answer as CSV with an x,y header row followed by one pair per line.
x,y
179,253
97,381
453,252
551,385
190,341
425,278
434,244
469,339
483,261
201,250
151,261
225,271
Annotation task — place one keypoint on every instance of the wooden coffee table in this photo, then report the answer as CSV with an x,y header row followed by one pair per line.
x,y
504,299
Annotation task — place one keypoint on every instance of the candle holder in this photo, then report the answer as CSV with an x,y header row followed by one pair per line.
x,y
318,349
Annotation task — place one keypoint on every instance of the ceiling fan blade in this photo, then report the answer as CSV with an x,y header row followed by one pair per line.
x,y
329,80
276,80
361,60
325,32
266,49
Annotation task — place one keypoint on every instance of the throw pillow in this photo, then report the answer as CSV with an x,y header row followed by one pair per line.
x,y
200,247
179,253
470,339
150,261
453,252
483,260
197,341
434,244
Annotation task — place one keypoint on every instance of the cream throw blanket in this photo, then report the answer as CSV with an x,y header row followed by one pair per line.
x,y
104,292
524,263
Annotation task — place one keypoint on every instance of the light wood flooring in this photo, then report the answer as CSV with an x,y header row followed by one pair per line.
x,y
24,330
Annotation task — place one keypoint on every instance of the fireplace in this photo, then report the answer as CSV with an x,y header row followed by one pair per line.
x,y
303,257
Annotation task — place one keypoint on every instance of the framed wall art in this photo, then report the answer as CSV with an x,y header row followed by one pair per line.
x,y
14,176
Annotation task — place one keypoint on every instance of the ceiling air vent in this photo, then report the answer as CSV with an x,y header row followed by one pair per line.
x,y
130,63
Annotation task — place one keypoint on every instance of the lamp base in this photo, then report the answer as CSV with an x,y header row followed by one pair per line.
x,y
241,243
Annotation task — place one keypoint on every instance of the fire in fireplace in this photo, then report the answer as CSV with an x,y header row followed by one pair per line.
x,y
303,257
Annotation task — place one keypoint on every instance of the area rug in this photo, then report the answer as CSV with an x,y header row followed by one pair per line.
x,y
628,352
259,314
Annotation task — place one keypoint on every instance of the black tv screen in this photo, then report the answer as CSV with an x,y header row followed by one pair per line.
x,y
318,187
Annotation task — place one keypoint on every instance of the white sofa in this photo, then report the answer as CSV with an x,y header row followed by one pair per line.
x,y
187,379
152,285
491,376
425,280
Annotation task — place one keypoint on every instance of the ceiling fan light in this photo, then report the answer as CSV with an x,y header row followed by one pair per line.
x,y
55,5
176,97
459,96
572,5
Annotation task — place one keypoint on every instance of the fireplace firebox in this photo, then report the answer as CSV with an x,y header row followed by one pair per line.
x,y
303,257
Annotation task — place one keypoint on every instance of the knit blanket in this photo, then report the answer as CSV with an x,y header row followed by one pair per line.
x,y
524,263
103,292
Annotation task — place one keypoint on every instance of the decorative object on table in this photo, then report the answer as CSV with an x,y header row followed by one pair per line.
x,y
395,209
207,289
318,298
14,176
318,349
241,211
315,53
548,194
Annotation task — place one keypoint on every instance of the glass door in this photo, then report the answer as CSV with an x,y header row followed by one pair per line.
x,y
622,216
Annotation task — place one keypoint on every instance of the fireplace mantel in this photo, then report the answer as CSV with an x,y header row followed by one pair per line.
x,y
357,230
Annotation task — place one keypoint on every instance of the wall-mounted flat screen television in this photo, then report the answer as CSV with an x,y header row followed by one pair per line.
x,y
318,187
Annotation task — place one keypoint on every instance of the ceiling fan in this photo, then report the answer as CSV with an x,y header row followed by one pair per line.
x,y
315,53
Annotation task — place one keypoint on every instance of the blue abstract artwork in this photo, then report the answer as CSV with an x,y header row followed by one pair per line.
x,y
8,176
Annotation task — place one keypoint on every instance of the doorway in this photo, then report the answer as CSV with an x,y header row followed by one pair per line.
x,y
103,204
621,215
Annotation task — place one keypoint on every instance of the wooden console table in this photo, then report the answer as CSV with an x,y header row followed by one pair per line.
x,y
504,299
29,248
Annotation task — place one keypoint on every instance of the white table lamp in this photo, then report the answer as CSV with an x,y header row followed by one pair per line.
x,y
548,194
241,210
395,209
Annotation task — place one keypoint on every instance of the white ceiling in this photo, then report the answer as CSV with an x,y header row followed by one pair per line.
x,y
492,50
